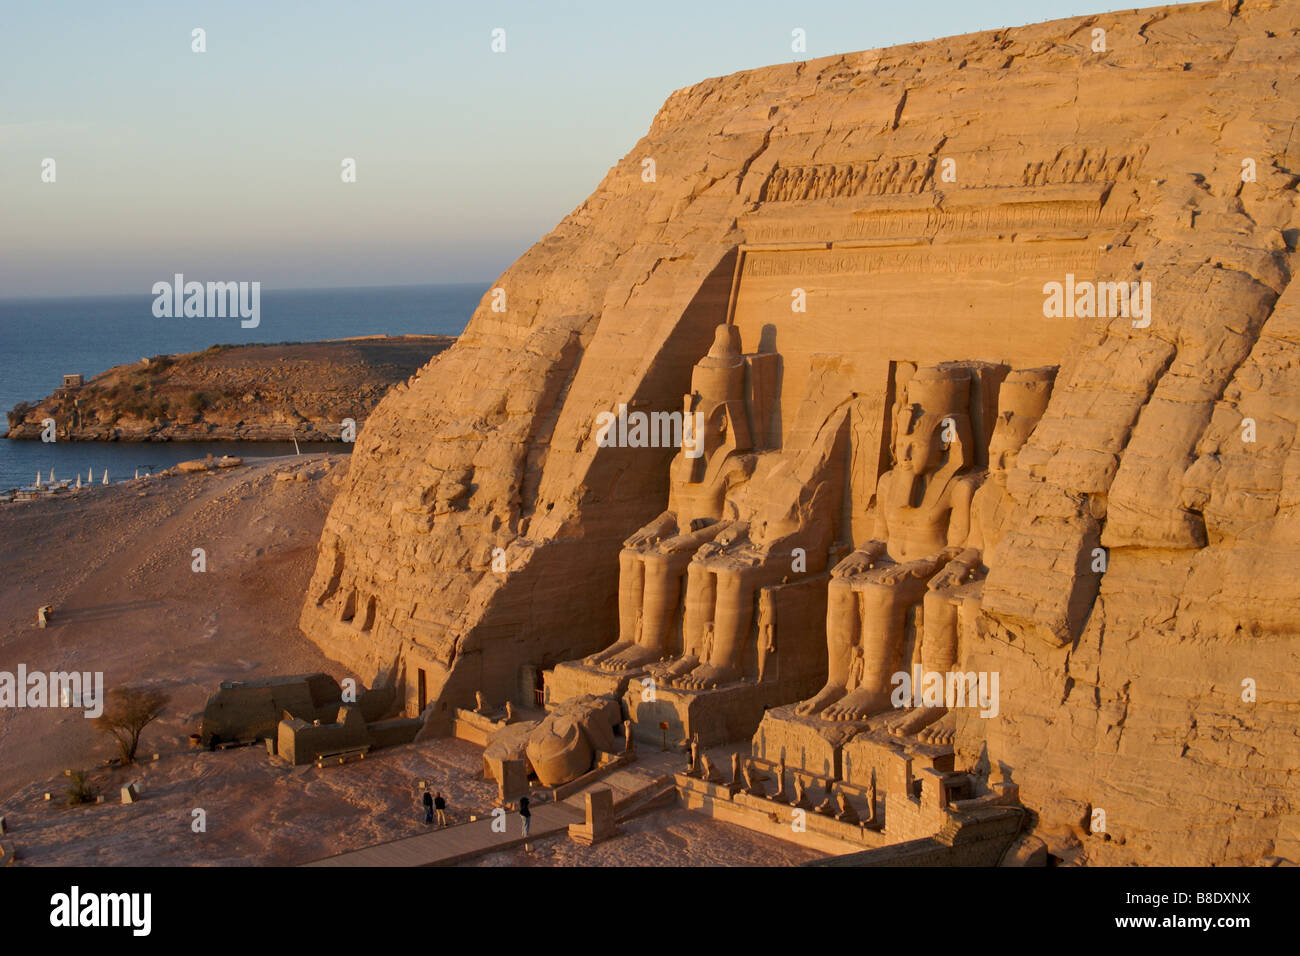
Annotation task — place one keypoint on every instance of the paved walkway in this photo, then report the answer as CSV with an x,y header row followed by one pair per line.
x,y
459,843
466,841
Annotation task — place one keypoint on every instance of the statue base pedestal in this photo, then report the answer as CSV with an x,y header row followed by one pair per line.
x,y
575,679
806,743
720,715
909,779
848,750
876,751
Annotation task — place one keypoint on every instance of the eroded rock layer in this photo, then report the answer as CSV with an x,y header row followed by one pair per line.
x,y
888,210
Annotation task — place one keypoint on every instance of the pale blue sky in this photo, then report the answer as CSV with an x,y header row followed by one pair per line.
x,y
225,165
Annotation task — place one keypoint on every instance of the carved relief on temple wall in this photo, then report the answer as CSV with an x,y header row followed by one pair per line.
x,y
914,174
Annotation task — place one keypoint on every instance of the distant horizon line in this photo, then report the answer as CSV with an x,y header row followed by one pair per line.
x,y
148,294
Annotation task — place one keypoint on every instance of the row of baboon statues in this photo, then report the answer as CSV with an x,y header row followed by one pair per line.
x,y
909,174
903,175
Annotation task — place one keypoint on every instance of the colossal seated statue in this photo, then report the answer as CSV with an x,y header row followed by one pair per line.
x,y
1022,399
922,516
796,514
716,456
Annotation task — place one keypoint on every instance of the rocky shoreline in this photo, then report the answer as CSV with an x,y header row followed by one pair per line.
x,y
302,390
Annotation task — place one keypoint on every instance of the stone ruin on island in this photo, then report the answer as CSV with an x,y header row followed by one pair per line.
x,y
914,464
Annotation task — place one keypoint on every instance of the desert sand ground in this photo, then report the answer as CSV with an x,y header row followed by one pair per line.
x,y
116,564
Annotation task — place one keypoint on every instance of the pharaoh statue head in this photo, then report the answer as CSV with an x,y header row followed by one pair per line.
x,y
720,375
714,422
1021,403
933,431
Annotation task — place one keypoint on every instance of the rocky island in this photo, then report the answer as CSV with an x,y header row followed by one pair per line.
x,y
232,392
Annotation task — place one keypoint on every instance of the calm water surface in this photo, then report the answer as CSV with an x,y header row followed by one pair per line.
x,y
42,339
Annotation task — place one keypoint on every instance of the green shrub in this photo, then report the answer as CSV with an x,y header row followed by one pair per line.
x,y
79,789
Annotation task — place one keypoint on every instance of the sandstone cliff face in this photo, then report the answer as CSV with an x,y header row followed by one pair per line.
x,y
1122,688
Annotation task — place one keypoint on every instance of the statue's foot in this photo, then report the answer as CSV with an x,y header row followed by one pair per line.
x,y
658,672
916,720
814,705
941,732
894,717
707,676
858,705
613,649
634,659
668,672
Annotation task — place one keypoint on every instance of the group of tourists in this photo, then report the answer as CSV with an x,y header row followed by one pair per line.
x,y
436,804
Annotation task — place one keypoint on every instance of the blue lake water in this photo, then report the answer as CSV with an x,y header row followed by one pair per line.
x,y
43,339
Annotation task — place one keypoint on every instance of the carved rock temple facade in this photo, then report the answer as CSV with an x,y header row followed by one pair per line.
x,y
908,457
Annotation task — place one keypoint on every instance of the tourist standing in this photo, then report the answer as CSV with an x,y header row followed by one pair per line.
x,y
526,815
440,807
428,808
